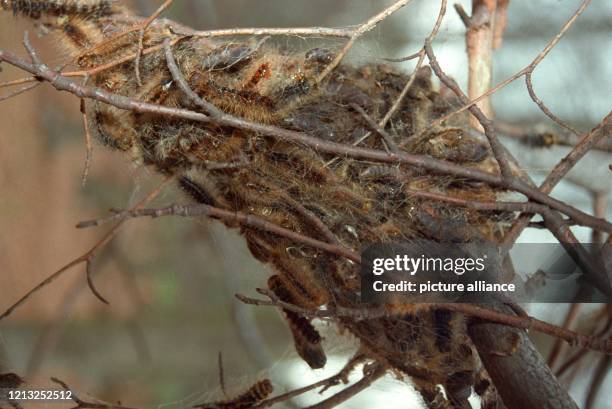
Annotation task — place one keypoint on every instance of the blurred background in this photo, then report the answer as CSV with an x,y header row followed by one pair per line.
x,y
171,282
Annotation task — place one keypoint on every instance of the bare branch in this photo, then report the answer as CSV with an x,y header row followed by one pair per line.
x,y
341,376
376,372
233,217
393,310
19,91
375,127
85,258
141,35
570,317
180,79
292,31
88,144
529,68
588,141
501,154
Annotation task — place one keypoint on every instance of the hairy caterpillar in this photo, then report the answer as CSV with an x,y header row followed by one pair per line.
x,y
256,393
306,338
197,192
36,8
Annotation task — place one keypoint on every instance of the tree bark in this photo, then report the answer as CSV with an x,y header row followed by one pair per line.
x,y
522,378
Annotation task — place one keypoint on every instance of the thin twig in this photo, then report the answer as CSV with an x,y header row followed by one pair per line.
x,y
141,35
361,30
248,220
544,108
19,91
571,361
18,81
178,77
600,205
88,144
523,322
526,207
293,31
90,283
463,15
114,63
570,317
588,141
221,373
376,372
602,368
341,376
529,68
421,54
404,59
500,153
400,98
532,137
375,127
87,257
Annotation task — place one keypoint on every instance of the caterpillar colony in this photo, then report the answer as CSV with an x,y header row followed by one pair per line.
x,y
357,202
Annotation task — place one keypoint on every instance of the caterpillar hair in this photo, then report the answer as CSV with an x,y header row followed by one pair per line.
x,y
36,8
195,191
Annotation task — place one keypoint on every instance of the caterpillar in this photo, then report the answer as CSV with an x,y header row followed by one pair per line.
x,y
256,393
306,338
196,191
36,8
